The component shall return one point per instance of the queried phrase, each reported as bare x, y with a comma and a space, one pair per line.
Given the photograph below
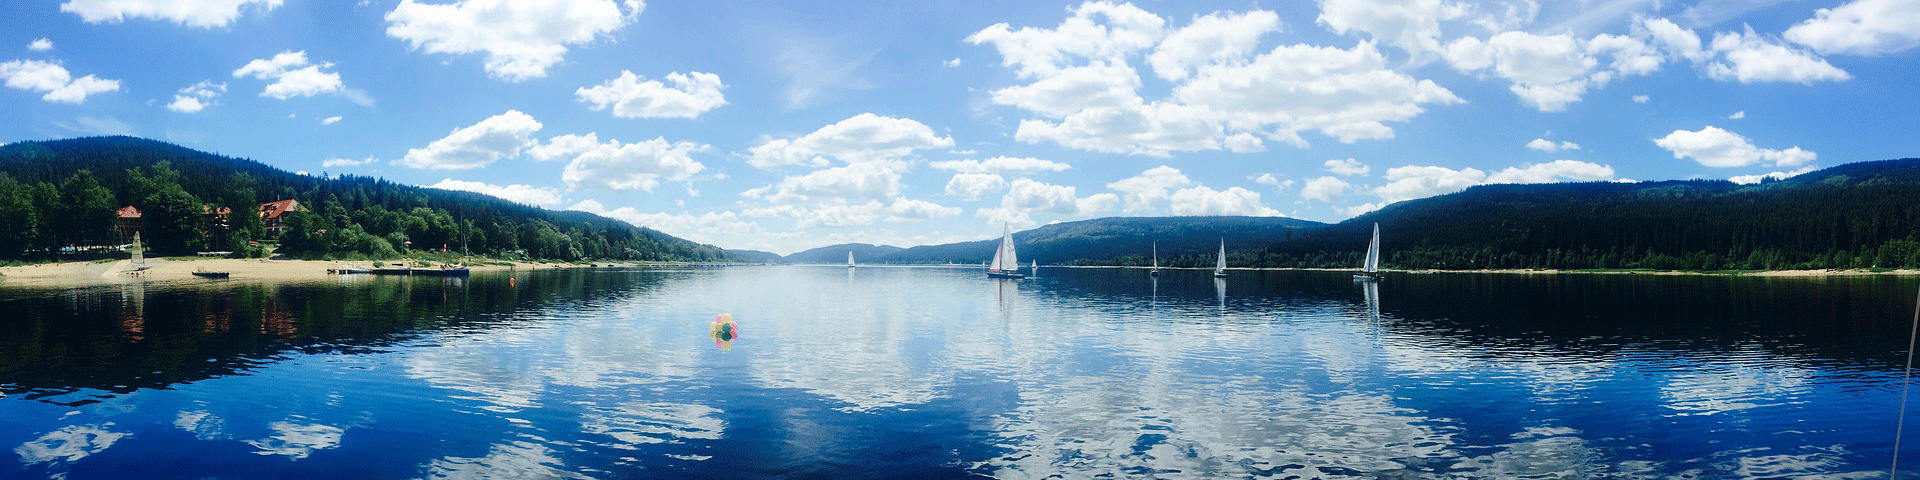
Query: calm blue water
939, 373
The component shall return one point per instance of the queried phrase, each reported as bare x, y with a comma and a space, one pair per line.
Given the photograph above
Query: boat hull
210, 274
1004, 275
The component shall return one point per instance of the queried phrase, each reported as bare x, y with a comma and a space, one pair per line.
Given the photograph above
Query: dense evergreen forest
1860, 215
59, 194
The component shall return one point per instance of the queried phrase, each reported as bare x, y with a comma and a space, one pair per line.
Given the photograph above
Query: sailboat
1035, 269
1005, 263
139, 254
849, 259
1220, 267
1155, 272
1370, 268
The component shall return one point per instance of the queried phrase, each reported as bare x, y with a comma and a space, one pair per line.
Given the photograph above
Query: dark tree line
65, 192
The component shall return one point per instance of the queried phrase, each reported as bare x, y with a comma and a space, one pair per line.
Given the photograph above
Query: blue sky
783, 126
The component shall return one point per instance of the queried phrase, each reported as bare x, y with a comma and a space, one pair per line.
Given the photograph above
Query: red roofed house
128, 219
273, 214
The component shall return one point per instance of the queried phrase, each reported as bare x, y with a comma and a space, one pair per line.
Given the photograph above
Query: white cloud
1642, 99
842, 214
330, 120
1737, 115
522, 194
1413, 26
1001, 164
1226, 93
1545, 145
1025, 197
712, 227
1714, 147
615, 166
1554, 171
1752, 179
972, 186
522, 39
192, 13
1097, 30
1149, 188
1750, 58
1411, 182
335, 162
1734, 56
877, 180
1325, 189
1347, 166
478, 145
1214, 38
1550, 72
862, 138
1028, 195
61, 87
196, 97
954, 63
1200, 200
40, 45
291, 75
692, 94
1861, 27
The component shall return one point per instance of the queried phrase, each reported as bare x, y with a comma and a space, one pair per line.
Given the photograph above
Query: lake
928, 372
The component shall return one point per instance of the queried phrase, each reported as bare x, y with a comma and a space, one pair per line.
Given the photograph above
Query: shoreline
255, 269
182, 268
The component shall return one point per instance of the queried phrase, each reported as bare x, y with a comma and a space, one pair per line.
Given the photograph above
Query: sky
782, 126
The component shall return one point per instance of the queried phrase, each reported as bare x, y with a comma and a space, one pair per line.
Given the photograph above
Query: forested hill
1118, 241
64, 192
1860, 215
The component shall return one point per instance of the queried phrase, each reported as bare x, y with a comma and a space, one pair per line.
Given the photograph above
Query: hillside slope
1857, 215
345, 215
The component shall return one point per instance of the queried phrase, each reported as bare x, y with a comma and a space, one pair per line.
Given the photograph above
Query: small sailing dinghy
139, 263
1370, 268
1005, 263
1220, 266
1155, 272
849, 259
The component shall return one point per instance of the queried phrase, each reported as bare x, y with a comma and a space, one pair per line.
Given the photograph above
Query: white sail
849, 258
139, 253
1004, 258
1220, 267
1372, 263
1013, 260
998, 253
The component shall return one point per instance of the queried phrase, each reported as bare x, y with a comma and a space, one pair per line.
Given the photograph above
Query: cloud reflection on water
69, 444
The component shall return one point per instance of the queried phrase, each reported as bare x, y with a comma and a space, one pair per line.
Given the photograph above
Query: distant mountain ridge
837, 254
1115, 241
1857, 215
